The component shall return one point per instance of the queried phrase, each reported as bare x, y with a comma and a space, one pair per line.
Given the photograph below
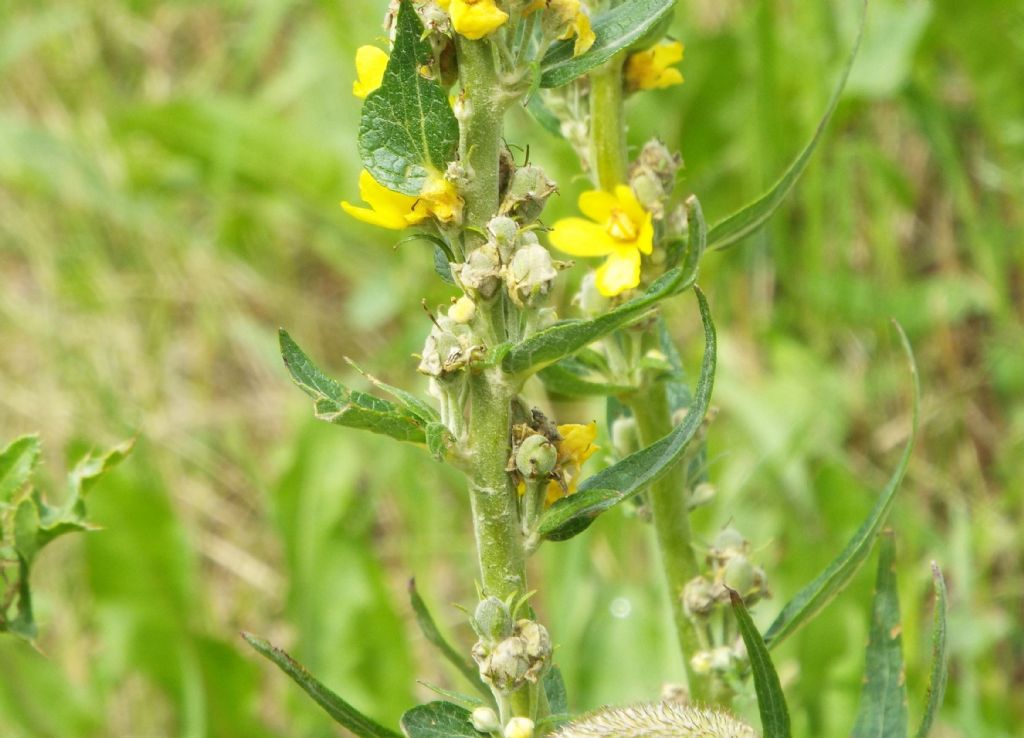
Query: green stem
608, 125
495, 515
482, 130
668, 495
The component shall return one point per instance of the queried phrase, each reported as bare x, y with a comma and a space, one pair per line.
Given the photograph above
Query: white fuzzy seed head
656, 720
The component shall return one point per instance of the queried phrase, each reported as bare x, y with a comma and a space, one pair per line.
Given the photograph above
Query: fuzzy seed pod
485, 720
536, 457
656, 720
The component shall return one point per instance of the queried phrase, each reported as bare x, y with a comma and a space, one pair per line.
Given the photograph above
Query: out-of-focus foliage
169, 173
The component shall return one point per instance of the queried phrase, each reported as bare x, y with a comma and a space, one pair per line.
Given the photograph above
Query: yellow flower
394, 210
370, 65
474, 19
576, 446
619, 228
652, 69
581, 29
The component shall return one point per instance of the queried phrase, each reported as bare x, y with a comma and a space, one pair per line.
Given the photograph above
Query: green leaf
542, 114
342, 712
17, 462
741, 224
615, 30
430, 631
771, 702
408, 133
23, 625
554, 689
439, 440
883, 702
812, 598
572, 379
624, 479
336, 403
412, 404
568, 336
940, 657
70, 517
438, 720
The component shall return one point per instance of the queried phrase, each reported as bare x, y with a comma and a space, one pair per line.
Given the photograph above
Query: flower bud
485, 720
589, 298
738, 575
653, 176
527, 194
480, 273
536, 457
462, 310
492, 619
729, 542
530, 274
448, 348
505, 666
701, 495
699, 597
504, 231
538, 647
519, 727
625, 436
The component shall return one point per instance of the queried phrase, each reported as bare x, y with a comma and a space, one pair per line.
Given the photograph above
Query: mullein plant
436, 165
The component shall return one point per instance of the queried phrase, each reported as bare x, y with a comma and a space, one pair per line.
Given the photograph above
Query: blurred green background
169, 173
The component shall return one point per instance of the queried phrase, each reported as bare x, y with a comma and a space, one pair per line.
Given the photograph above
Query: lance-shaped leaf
573, 379
883, 702
554, 690
940, 672
433, 635
615, 30
438, 720
336, 403
569, 336
17, 463
412, 404
408, 132
342, 712
626, 478
771, 702
748, 220
809, 601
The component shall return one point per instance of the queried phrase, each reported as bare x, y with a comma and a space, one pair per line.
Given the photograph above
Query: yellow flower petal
620, 272
652, 69
370, 65
585, 36
598, 204
577, 442
645, 240
579, 237
475, 19
374, 217
387, 209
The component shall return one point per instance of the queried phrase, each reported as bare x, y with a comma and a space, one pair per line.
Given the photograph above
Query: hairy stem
608, 125
668, 495
482, 130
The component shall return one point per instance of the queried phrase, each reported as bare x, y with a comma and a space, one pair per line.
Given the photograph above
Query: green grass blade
342, 712
771, 702
883, 703
940, 656
812, 598
430, 631
744, 222
573, 514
